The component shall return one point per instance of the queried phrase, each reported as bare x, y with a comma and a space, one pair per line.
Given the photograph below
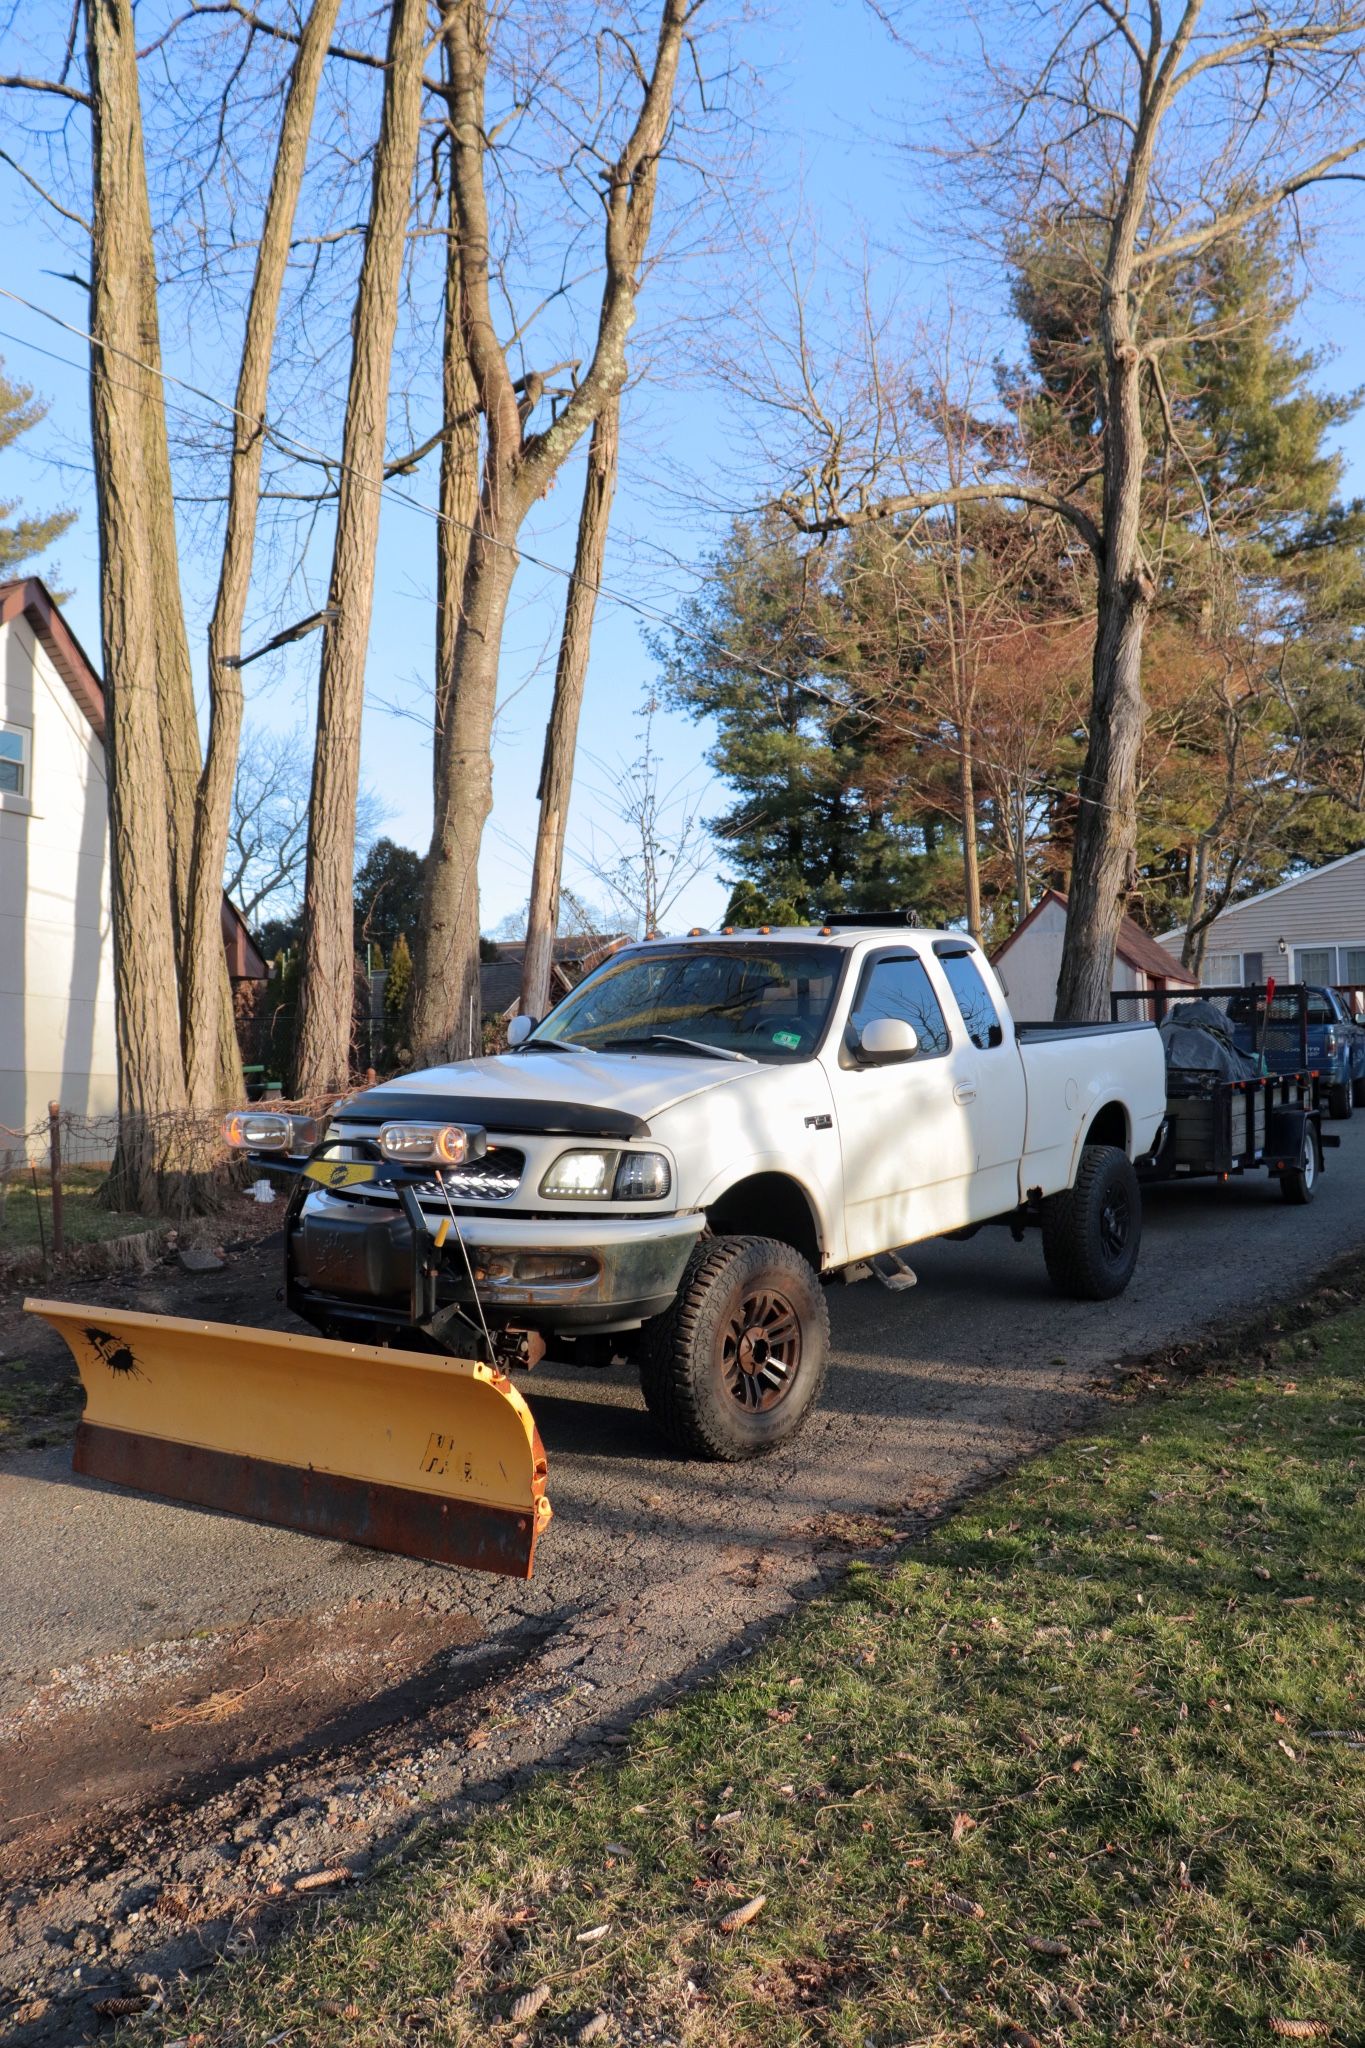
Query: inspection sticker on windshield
791, 1039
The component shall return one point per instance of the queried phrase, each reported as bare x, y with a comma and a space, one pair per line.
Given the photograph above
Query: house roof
31, 600
1136, 948
1282, 888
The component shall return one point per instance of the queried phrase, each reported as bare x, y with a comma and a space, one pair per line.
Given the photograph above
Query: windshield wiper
553, 1045
715, 1052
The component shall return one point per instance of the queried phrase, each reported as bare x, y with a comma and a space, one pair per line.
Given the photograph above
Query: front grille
494, 1178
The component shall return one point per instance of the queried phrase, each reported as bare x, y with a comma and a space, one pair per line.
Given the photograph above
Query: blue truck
1306, 1029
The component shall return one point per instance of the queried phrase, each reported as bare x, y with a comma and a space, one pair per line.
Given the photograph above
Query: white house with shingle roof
1311, 929
56, 938
56, 951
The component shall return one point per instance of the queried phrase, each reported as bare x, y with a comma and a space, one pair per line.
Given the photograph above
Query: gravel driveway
650, 1570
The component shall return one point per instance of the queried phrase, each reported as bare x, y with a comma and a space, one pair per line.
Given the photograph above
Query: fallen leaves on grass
740, 1916
592, 1934
962, 1825
966, 1909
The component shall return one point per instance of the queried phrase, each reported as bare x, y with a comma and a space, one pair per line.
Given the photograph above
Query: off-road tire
1299, 1185
1082, 1226
682, 1373
1341, 1102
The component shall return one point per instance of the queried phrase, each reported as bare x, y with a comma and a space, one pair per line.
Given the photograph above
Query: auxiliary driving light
432, 1144
251, 1130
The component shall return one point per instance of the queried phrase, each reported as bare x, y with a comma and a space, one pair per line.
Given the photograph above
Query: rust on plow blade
433, 1457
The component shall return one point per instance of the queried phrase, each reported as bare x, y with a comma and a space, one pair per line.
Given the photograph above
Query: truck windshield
770, 1003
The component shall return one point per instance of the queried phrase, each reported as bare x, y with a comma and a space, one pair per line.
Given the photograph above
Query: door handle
964, 1092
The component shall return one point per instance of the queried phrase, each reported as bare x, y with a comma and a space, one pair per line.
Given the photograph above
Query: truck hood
621, 1084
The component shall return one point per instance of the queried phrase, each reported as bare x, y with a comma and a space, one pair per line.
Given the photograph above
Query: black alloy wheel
760, 1351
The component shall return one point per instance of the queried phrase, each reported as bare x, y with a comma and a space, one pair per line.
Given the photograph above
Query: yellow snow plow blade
433, 1457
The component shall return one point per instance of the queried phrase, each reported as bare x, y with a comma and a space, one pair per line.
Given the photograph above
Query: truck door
907, 1148
990, 1086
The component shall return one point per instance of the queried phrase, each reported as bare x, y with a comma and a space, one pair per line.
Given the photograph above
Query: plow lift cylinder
429, 1456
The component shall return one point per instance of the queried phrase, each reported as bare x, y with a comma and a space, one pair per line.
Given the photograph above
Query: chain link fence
64, 1183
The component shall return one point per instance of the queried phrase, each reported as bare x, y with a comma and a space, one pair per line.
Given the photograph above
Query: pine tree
398, 995
21, 540
821, 819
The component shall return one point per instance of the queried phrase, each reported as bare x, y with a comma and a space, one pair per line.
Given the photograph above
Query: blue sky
835, 96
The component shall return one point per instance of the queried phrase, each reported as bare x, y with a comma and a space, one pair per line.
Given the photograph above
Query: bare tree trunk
1104, 867
1192, 951
447, 1014
561, 734
459, 487
518, 468
123, 392
971, 865
204, 963
1022, 894
327, 991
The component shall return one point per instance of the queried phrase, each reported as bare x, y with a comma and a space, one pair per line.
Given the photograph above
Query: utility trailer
1217, 1128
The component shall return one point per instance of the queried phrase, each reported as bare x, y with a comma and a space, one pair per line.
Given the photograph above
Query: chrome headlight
642, 1177
252, 1130
608, 1176
432, 1144
585, 1175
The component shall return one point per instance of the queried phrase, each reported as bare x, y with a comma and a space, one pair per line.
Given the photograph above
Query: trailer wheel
1299, 1185
1092, 1231
733, 1368
1341, 1101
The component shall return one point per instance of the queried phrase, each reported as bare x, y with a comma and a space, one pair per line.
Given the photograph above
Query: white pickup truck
671, 1165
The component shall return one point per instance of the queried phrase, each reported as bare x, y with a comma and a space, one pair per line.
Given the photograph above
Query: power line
304, 450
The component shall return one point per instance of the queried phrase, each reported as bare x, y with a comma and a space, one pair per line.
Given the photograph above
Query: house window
1223, 970
1316, 965
1353, 967
14, 760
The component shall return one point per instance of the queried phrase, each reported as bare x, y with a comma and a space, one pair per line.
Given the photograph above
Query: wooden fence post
54, 1146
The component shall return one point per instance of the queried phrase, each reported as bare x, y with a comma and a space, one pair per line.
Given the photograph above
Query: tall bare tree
561, 733
519, 465
125, 392
203, 949
325, 1004
1137, 146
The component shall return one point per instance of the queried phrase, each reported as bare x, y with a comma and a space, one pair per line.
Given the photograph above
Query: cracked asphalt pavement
651, 1571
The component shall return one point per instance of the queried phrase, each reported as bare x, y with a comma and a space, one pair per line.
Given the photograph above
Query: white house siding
1030, 964
56, 952
1321, 919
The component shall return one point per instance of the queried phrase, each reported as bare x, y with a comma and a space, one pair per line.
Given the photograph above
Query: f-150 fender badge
819, 1123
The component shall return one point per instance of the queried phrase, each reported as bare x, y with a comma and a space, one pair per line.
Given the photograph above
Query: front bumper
348, 1264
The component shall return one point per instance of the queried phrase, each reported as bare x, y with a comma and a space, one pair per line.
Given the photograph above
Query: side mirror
520, 1029
885, 1040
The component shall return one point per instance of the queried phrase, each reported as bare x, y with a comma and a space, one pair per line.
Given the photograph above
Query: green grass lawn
1080, 1770
26, 1218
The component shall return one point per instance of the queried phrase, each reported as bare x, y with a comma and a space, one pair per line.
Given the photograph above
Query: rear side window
973, 998
901, 988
